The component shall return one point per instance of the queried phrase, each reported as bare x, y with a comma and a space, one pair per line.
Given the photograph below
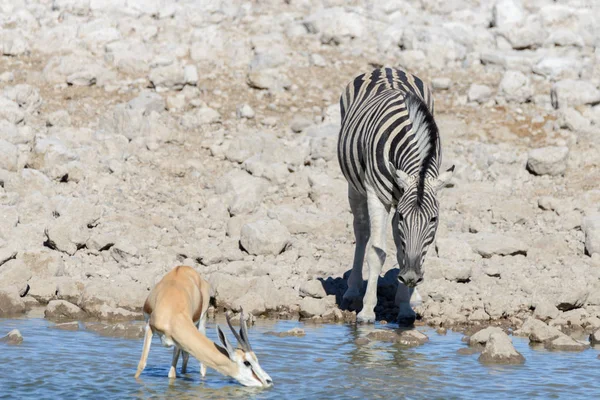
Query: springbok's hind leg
376, 254
185, 356
360, 213
172, 372
145, 350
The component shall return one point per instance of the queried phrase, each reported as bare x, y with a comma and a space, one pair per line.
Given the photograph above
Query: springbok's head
249, 372
415, 221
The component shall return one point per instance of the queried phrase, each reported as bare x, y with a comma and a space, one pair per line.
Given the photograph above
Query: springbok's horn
244, 331
235, 333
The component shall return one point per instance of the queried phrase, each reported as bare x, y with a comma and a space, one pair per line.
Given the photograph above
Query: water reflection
326, 363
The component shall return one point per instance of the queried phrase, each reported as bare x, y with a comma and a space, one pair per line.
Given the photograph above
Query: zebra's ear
402, 178
443, 179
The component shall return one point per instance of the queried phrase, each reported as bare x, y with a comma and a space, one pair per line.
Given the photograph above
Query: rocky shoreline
134, 139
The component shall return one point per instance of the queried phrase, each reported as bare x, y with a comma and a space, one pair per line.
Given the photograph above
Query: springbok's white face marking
250, 372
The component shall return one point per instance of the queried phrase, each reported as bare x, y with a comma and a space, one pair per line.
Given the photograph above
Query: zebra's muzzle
410, 278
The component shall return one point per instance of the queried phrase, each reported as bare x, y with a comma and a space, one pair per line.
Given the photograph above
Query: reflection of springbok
175, 310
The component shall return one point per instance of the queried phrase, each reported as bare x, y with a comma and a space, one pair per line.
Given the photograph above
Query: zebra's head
415, 221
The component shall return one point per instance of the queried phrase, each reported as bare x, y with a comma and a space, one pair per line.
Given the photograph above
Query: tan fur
174, 307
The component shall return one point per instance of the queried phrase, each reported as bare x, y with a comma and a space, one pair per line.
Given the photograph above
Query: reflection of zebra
389, 151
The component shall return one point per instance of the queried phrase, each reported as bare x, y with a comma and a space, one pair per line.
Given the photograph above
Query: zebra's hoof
352, 300
365, 318
406, 320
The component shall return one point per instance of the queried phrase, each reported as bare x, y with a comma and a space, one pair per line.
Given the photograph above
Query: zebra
389, 151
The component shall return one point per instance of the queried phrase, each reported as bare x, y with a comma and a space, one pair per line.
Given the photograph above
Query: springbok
175, 310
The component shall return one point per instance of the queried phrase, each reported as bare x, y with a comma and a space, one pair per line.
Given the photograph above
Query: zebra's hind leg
378, 217
360, 213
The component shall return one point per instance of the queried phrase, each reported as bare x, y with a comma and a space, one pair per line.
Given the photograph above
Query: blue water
324, 364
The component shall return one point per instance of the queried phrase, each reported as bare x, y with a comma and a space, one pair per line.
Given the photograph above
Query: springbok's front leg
172, 370
145, 350
360, 214
378, 216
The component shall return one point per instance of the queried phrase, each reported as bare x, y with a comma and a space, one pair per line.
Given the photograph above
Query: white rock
10, 111
313, 288
507, 13
59, 118
570, 118
268, 79
168, 77
310, 307
483, 336
500, 350
245, 111
545, 311
13, 44
554, 67
572, 93
591, 228
147, 101
335, 25
515, 87
9, 156
441, 83
61, 309
490, 244
190, 74
479, 93
264, 237
247, 191
549, 160
317, 60
26, 96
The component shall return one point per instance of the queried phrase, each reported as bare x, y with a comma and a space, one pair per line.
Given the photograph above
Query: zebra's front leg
360, 213
378, 216
406, 315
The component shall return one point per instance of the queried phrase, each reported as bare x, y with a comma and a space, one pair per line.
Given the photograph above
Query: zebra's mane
426, 136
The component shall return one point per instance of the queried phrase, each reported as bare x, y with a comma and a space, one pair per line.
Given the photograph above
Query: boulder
479, 93
66, 326
312, 288
11, 303
491, 244
311, 307
412, 338
500, 350
13, 337
383, 335
573, 93
591, 228
565, 343
545, 311
551, 160
120, 330
170, 77
515, 87
595, 338
483, 336
61, 309
507, 13
297, 332
265, 236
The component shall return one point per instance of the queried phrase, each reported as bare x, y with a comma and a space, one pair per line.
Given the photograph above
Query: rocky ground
139, 135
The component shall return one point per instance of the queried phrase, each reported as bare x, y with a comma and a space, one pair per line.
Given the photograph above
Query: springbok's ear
402, 178
443, 179
225, 342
